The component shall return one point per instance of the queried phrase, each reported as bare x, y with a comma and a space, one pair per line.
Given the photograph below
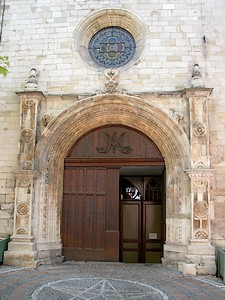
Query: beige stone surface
51, 36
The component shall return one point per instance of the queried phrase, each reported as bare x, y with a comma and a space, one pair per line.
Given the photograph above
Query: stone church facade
58, 91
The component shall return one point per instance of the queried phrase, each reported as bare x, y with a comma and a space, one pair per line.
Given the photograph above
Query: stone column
22, 248
200, 254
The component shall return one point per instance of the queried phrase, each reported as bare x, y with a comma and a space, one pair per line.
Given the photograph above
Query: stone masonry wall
41, 34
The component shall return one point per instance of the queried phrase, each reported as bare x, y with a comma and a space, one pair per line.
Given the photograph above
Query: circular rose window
112, 47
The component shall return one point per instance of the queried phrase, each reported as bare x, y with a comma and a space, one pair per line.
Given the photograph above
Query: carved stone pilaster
201, 173
200, 203
29, 108
201, 254
23, 204
22, 249
199, 127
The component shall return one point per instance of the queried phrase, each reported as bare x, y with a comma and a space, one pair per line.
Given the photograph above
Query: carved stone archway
42, 243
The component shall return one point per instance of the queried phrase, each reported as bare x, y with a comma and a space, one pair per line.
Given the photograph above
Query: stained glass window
112, 47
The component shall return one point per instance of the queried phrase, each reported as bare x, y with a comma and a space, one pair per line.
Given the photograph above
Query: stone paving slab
86, 280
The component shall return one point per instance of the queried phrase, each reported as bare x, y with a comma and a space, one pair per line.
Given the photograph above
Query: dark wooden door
141, 221
90, 214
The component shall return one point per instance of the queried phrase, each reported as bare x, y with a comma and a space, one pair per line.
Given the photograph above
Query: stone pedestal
201, 254
21, 252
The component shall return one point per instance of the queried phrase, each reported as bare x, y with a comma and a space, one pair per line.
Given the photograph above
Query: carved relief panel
200, 196
23, 205
29, 108
199, 131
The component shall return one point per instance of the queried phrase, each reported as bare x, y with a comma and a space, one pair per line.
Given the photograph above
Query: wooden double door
102, 221
98, 222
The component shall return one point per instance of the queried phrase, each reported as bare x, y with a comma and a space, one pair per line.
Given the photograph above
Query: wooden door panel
112, 208
152, 233
131, 221
90, 230
152, 215
112, 215
130, 242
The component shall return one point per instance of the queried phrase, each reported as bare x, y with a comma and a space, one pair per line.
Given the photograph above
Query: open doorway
142, 214
93, 195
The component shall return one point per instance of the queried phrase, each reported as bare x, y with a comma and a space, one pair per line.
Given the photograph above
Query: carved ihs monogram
115, 142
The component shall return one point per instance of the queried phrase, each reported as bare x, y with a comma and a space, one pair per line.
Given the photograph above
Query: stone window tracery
112, 47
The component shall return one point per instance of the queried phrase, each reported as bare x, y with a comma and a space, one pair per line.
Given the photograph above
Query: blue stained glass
112, 47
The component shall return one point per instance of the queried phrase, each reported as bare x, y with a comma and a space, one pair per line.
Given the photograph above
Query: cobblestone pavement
80, 280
